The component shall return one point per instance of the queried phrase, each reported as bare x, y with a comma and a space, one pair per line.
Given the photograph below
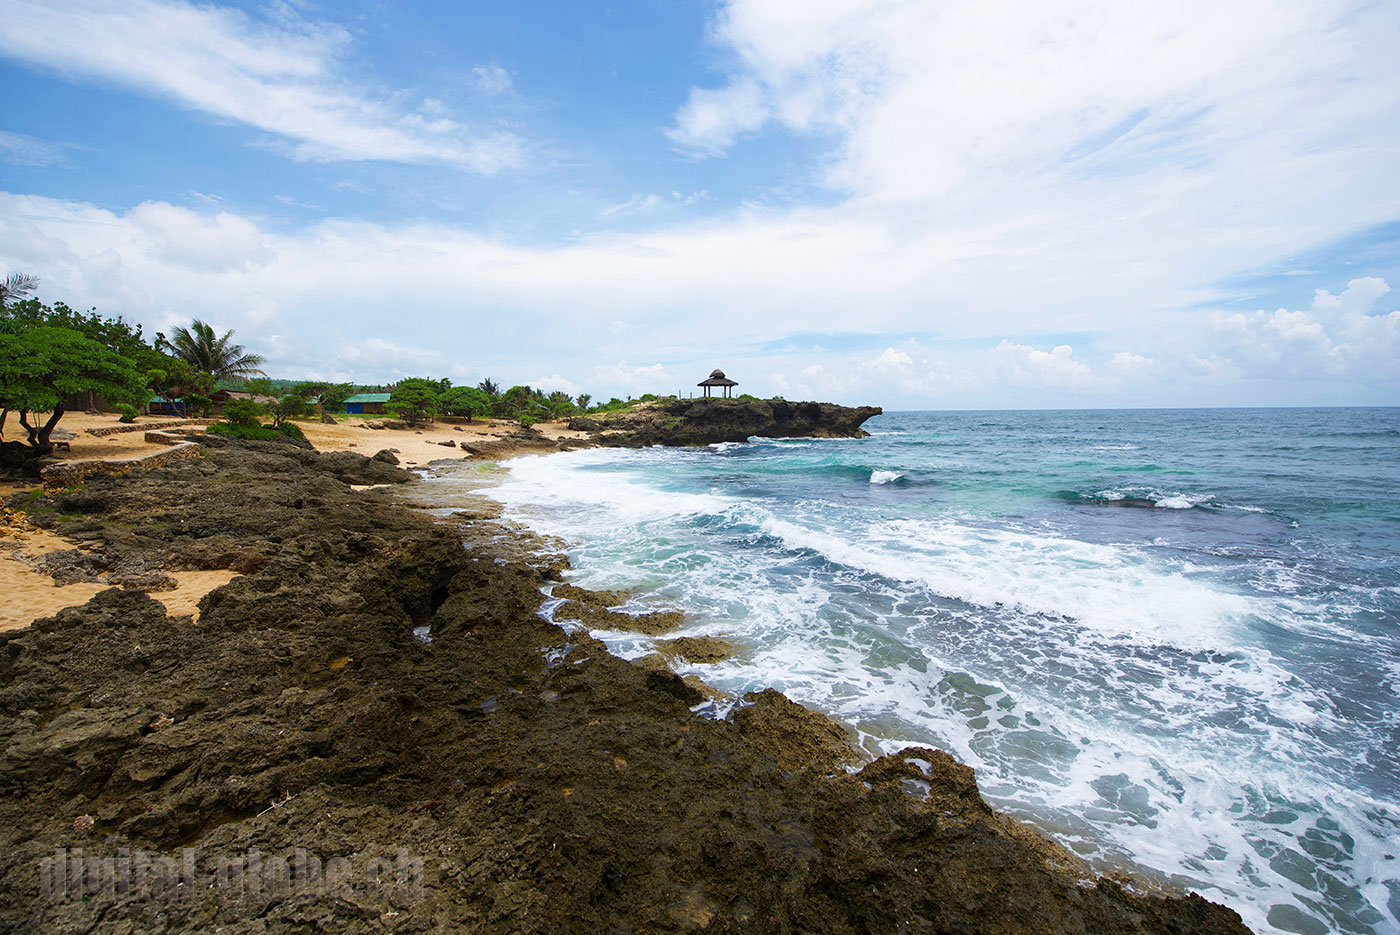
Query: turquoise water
1170, 638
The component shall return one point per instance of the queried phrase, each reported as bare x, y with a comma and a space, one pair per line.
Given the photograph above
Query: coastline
489, 605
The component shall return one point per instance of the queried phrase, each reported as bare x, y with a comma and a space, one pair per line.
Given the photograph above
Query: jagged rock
386, 456
696, 649
684, 422
546, 785
448, 444
328, 419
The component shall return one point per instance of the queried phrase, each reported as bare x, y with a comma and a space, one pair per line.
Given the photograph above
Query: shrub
128, 412
527, 420
258, 432
243, 413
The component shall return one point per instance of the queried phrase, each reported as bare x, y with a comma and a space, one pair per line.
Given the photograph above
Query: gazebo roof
717, 378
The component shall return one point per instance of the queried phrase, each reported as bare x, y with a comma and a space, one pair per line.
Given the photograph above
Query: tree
513, 401
42, 366
326, 395
559, 404
112, 333
289, 407
199, 346
583, 400
489, 387
16, 286
466, 401
414, 400
173, 378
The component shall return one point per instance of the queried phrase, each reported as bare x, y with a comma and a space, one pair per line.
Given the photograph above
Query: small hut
366, 402
717, 378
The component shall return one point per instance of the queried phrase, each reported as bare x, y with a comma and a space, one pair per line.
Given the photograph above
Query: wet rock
696, 649
545, 785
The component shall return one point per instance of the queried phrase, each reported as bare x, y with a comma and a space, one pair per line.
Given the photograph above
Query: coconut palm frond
200, 347
16, 286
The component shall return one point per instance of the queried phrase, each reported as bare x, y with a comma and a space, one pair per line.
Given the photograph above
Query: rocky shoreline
370, 689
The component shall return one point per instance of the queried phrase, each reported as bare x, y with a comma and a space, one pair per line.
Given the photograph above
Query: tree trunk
39, 434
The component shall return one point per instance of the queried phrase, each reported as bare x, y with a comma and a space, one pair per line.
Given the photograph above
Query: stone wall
71, 473
133, 427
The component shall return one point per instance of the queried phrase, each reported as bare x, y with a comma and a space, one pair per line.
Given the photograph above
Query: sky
908, 203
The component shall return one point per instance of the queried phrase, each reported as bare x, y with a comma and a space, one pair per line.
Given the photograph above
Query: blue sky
921, 205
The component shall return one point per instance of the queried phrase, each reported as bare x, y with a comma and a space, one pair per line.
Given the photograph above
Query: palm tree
16, 286
489, 387
197, 346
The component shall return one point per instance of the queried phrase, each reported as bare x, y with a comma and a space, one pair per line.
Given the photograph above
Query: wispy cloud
21, 150
492, 78
281, 77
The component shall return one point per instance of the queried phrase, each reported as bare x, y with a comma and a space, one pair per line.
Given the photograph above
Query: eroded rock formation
708, 421
369, 684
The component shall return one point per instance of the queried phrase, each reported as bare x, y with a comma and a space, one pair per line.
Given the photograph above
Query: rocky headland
684, 422
376, 683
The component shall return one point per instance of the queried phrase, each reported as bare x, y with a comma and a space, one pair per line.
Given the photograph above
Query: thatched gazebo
717, 378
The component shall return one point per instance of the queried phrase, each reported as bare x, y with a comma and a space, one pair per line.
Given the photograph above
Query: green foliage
42, 365
526, 420
290, 406
128, 412
469, 401
489, 387
647, 398
583, 400
174, 378
112, 333
257, 431
242, 413
16, 285
198, 402
203, 350
330, 397
415, 400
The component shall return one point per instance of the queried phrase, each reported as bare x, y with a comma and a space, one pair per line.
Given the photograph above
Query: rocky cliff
707, 421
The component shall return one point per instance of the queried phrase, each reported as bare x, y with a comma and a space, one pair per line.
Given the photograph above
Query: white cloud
621, 377
1337, 338
492, 78
280, 77
21, 150
373, 302
554, 382
184, 239
1024, 366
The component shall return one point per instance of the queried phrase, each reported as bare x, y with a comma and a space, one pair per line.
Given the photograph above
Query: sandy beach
27, 594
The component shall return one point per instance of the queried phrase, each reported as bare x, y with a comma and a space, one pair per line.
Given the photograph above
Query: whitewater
1170, 639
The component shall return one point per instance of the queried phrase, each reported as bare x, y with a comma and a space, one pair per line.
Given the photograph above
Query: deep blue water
1170, 637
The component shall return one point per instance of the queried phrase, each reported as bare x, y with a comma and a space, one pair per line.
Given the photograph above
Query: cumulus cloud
1337, 337
458, 303
282, 77
184, 239
651, 378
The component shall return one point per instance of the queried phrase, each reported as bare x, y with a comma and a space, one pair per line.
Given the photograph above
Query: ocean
1170, 638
